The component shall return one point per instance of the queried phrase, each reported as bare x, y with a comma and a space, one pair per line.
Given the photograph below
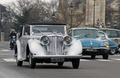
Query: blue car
94, 41
113, 34
112, 44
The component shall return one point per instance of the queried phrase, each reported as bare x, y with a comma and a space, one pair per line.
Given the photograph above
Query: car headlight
104, 43
45, 40
67, 40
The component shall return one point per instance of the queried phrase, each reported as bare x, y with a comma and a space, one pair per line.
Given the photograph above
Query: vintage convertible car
47, 43
94, 42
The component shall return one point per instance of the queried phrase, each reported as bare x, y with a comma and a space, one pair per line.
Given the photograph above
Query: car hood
86, 42
112, 43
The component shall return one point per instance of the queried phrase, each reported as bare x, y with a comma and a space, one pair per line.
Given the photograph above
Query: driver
12, 33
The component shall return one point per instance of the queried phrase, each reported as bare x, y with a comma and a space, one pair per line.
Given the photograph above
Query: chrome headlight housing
67, 40
45, 40
104, 43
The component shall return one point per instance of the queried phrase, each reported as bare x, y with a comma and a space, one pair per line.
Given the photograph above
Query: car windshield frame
41, 29
85, 33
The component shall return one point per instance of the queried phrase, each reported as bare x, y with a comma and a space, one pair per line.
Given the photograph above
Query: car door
20, 46
25, 38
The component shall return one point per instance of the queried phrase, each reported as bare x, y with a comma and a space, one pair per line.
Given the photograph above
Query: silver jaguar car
47, 43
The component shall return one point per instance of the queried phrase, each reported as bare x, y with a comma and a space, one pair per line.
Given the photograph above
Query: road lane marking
103, 60
116, 55
84, 60
116, 59
5, 50
9, 59
96, 60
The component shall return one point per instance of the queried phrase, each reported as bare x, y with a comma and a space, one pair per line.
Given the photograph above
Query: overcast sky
5, 1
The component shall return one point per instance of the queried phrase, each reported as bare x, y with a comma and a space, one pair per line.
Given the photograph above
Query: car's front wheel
75, 63
19, 63
112, 51
106, 55
32, 62
119, 49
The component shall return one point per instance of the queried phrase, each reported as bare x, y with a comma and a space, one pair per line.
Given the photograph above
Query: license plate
57, 60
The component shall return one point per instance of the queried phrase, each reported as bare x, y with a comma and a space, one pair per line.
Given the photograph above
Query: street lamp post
71, 8
94, 14
53, 13
119, 15
1, 30
53, 16
0, 17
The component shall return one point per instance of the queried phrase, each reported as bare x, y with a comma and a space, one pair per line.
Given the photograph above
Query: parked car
47, 43
94, 42
113, 34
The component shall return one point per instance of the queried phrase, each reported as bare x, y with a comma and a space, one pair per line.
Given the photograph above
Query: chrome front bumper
95, 48
57, 56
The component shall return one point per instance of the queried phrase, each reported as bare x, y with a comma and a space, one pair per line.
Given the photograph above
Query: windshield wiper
52, 31
38, 31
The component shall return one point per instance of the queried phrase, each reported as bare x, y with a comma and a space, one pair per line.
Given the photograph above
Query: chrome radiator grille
56, 45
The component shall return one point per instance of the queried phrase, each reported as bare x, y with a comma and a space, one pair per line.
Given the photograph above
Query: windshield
48, 29
111, 33
88, 33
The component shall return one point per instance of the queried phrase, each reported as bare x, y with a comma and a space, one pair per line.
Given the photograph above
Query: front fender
112, 44
19, 52
75, 48
35, 47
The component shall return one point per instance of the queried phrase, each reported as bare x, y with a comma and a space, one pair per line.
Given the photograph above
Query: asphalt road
89, 68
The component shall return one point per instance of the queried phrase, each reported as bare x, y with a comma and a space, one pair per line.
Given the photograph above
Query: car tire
75, 63
118, 49
32, 62
19, 63
60, 64
112, 51
93, 56
105, 55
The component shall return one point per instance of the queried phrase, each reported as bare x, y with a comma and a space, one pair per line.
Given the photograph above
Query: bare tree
24, 11
4, 17
78, 11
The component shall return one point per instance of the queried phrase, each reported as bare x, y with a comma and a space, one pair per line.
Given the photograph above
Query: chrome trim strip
56, 46
95, 48
58, 56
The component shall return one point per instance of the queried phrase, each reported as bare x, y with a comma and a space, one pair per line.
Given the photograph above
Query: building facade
95, 12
